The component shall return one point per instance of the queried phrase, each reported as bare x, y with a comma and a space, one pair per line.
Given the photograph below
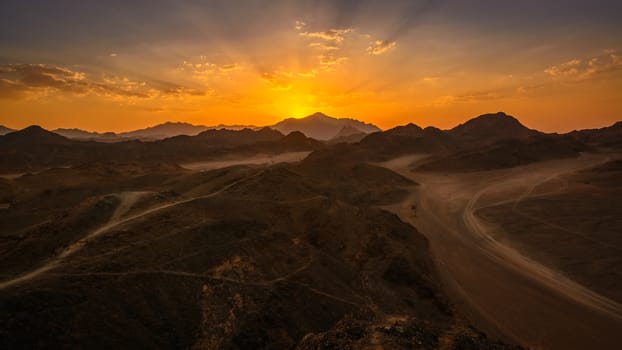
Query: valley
254, 239
502, 287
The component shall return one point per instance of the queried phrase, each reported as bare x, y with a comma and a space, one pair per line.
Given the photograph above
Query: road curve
116, 220
501, 291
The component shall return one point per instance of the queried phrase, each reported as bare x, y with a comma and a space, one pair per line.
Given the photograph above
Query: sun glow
297, 105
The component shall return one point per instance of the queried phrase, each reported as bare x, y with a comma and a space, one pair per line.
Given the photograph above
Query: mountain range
123, 245
318, 126
485, 142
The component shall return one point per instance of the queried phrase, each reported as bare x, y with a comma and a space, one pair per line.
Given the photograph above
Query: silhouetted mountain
322, 127
31, 136
153, 133
35, 148
244, 136
296, 140
610, 136
407, 139
506, 153
491, 127
79, 134
4, 130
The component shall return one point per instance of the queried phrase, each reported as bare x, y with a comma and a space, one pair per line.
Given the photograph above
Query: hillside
34, 148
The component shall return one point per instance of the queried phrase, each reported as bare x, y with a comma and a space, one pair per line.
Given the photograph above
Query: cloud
578, 69
329, 62
299, 25
325, 46
202, 69
279, 80
308, 74
569, 68
336, 36
232, 67
380, 47
431, 80
24, 80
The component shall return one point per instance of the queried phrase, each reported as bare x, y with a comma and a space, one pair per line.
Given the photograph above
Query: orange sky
438, 69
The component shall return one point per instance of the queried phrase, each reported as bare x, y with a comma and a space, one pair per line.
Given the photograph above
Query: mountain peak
321, 126
496, 117
319, 115
169, 123
35, 134
33, 128
492, 126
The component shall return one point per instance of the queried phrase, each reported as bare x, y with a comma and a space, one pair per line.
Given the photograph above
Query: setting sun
389, 64
311, 174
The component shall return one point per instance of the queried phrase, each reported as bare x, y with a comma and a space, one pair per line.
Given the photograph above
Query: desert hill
32, 136
35, 148
212, 266
610, 136
486, 142
491, 127
490, 141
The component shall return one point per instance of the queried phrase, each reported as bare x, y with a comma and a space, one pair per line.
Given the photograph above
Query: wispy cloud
24, 80
329, 62
608, 62
279, 80
203, 69
332, 35
380, 47
324, 46
299, 25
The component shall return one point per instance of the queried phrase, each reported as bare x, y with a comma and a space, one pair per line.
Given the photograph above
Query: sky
119, 65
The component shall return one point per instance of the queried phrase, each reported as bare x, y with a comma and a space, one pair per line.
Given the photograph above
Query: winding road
500, 290
127, 200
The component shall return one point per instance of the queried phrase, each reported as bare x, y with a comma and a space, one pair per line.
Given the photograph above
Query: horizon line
244, 125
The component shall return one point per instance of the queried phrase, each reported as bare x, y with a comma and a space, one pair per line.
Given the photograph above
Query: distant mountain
348, 134
491, 127
165, 130
35, 148
322, 127
31, 136
153, 133
79, 134
4, 130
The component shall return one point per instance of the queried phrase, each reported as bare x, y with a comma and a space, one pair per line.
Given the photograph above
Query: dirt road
127, 200
495, 286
